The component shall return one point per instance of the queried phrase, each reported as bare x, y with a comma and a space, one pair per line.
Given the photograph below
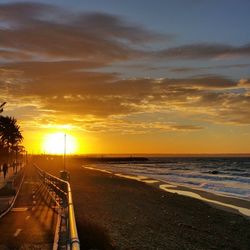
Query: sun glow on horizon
54, 143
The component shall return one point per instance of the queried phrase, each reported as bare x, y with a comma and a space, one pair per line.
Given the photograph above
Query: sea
227, 176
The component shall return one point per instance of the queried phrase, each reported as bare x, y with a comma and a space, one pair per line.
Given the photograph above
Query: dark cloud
56, 40
206, 81
19, 12
192, 69
10, 55
49, 31
114, 27
45, 31
38, 70
204, 51
184, 69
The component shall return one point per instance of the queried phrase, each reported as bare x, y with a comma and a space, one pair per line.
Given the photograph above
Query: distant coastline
146, 156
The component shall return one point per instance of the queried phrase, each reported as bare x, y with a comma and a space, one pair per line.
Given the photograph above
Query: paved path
5, 201
30, 224
9, 175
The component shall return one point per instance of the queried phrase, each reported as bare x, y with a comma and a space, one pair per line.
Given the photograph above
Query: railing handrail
72, 229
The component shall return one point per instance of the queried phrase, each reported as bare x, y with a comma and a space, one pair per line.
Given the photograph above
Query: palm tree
10, 134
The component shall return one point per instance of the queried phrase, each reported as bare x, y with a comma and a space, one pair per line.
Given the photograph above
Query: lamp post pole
64, 174
64, 155
26, 157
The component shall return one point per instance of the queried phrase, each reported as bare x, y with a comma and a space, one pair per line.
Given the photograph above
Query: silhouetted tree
10, 134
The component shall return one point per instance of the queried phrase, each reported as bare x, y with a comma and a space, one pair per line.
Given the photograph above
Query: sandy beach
118, 213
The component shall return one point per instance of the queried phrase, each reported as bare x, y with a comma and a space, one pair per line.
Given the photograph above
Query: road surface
30, 224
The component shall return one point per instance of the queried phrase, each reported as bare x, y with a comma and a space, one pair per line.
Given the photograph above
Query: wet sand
118, 213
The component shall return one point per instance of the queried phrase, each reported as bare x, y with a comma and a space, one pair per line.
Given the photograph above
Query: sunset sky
134, 76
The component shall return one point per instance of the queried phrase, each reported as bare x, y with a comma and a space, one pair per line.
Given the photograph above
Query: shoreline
226, 203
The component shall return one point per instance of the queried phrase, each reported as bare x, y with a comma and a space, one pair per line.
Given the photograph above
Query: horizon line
144, 154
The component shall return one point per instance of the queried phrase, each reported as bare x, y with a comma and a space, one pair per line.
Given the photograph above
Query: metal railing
62, 191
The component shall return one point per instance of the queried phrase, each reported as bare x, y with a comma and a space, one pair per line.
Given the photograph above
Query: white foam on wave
168, 188
137, 178
101, 170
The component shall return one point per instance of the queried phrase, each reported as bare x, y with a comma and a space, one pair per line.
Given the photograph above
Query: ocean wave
226, 176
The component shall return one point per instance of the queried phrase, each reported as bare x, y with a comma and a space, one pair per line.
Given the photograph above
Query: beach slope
118, 213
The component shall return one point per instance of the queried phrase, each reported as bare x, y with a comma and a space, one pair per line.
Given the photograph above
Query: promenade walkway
5, 200
31, 223
9, 175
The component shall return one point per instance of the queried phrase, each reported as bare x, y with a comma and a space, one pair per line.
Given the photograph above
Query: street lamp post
26, 157
64, 154
64, 173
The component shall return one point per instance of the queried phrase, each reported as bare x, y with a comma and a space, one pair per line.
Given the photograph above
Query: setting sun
54, 143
